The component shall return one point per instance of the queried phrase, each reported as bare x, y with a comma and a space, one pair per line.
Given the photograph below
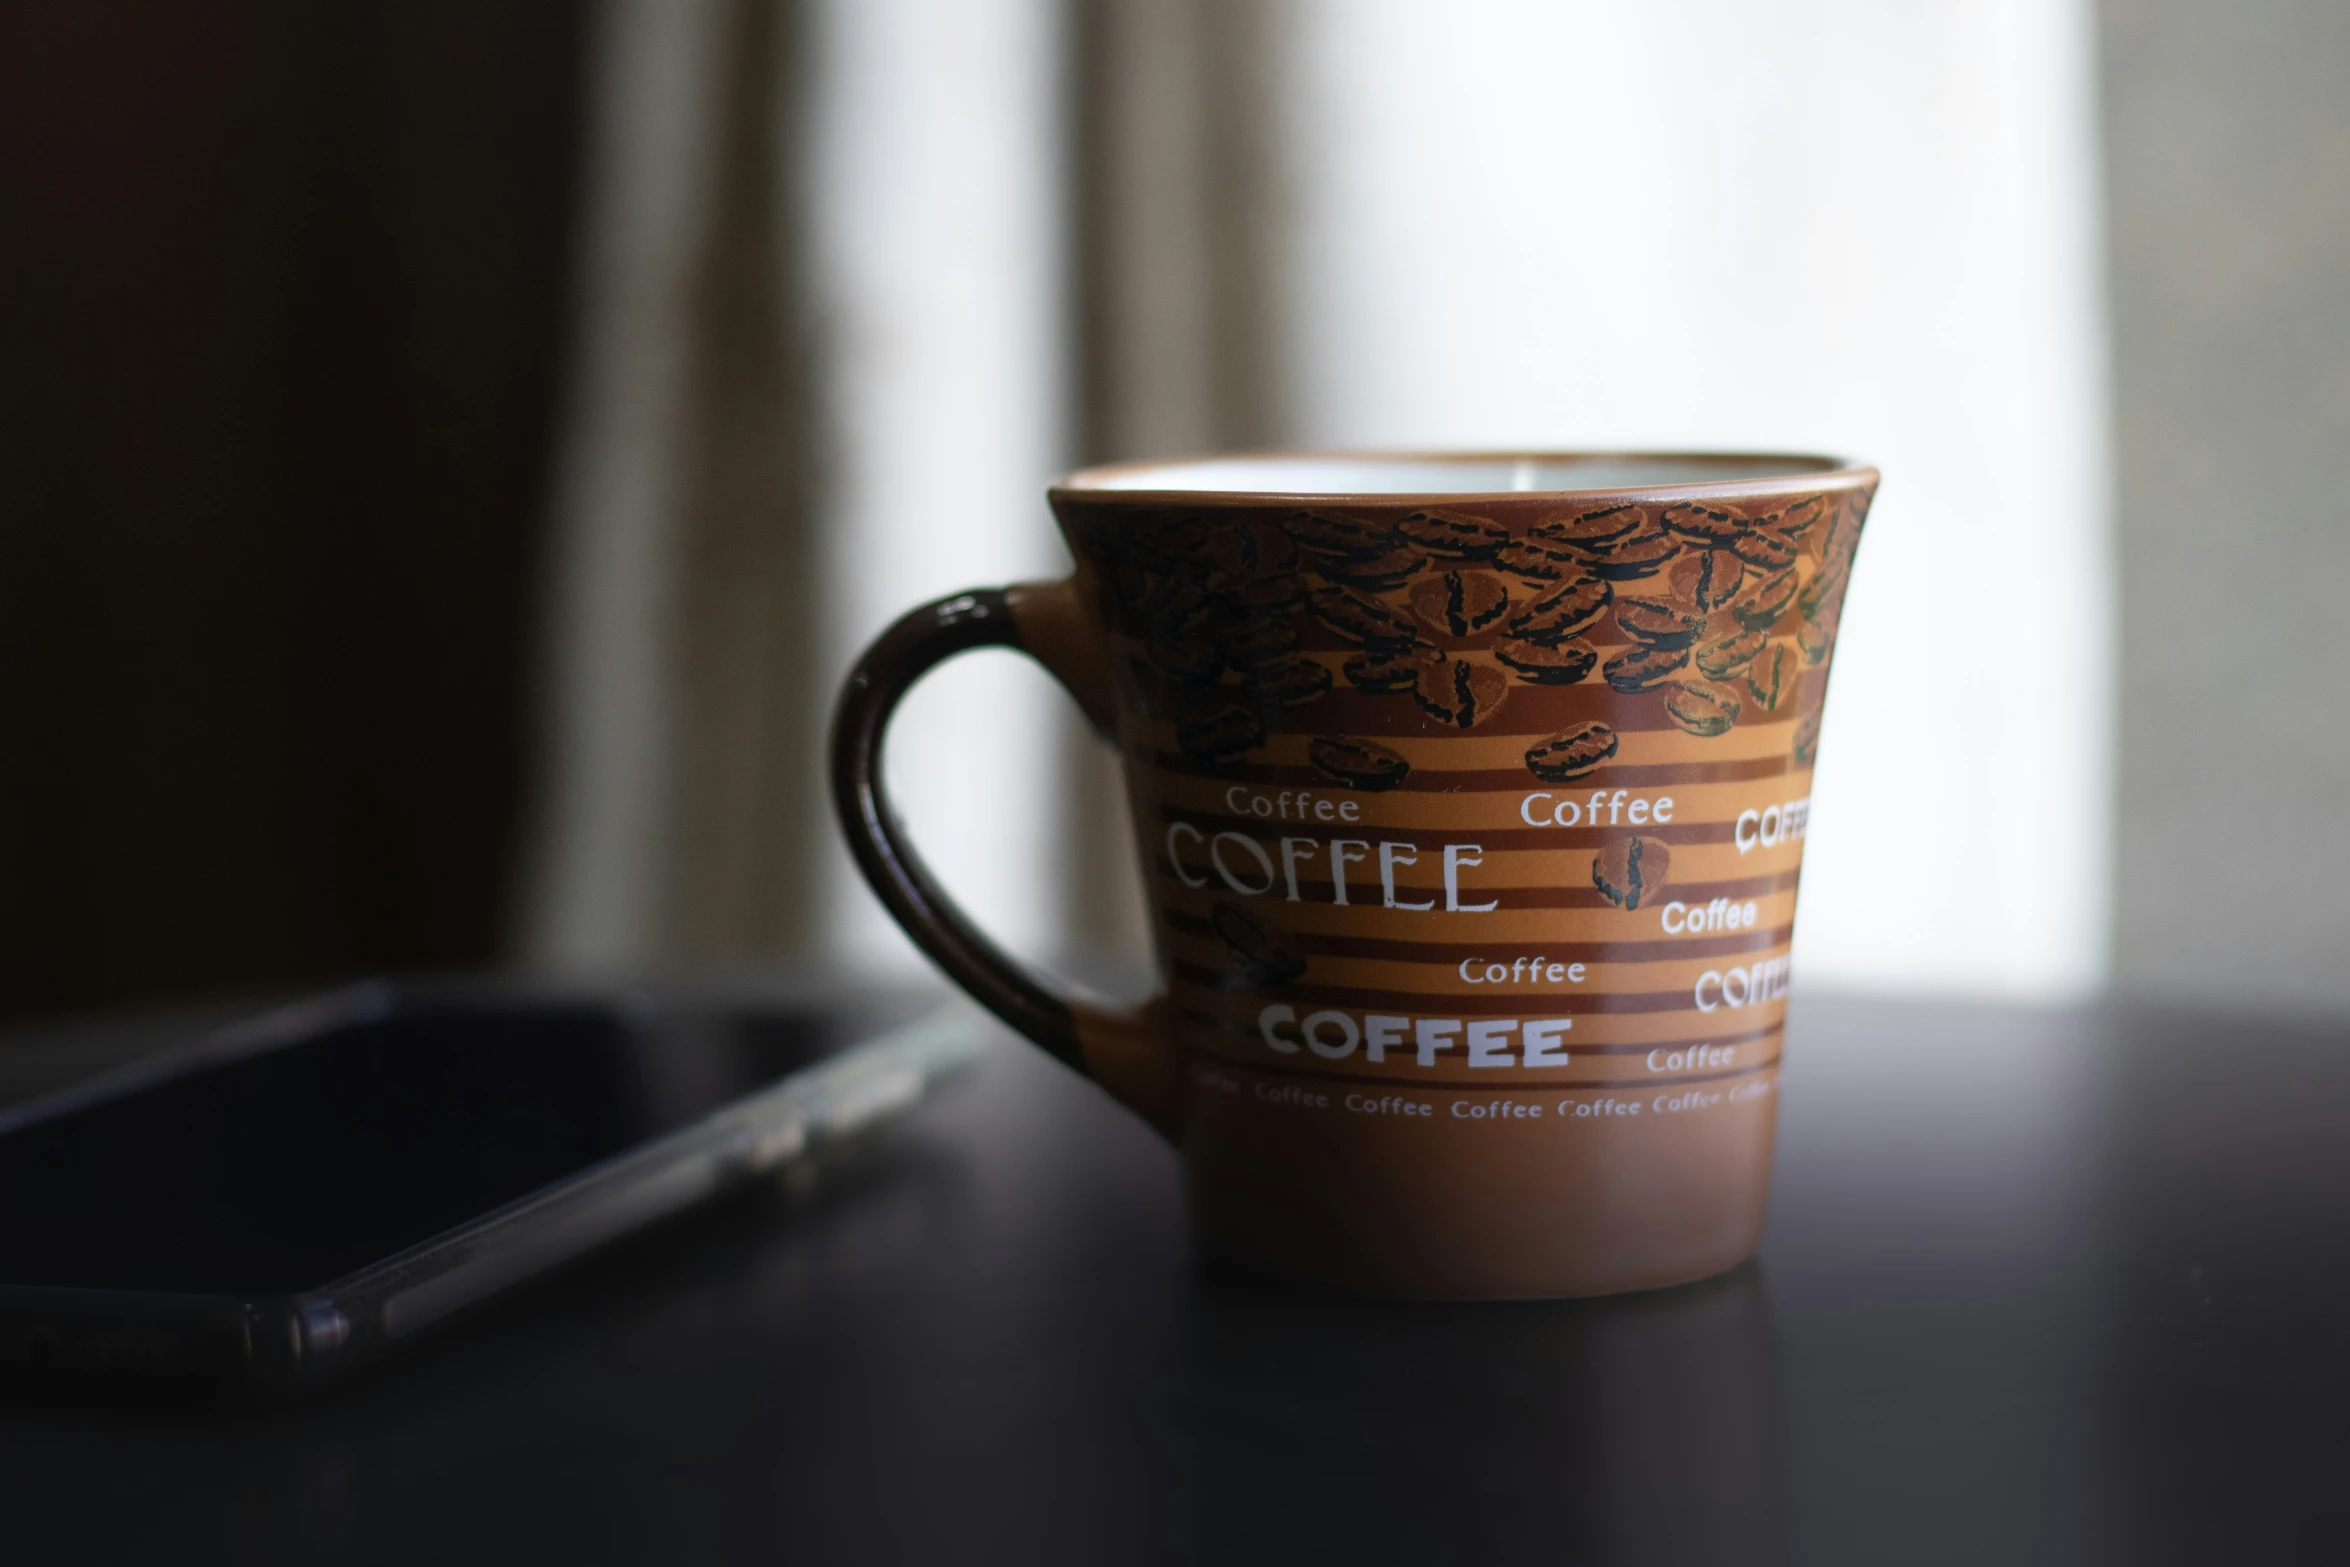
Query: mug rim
1094, 484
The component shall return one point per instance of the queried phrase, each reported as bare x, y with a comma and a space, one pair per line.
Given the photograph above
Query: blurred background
453, 451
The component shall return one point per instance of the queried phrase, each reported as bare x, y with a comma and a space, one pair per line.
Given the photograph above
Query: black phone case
285, 1344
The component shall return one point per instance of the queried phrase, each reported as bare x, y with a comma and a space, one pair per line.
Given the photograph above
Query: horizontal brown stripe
1430, 1003
1493, 840
1247, 1030
1470, 780
1602, 1085
1450, 953
1512, 899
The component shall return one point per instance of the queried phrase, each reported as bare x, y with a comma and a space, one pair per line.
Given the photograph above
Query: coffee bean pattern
1659, 622
1701, 709
1771, 676
1708, 578
1798, 519
1708, 526
1389, 672
1288, 682
1723, 654
1630, 872
1338, 537
1263, 595
1565, 758
1719, 613
1763, 602
1565, 664
1636, 555
1455, 535
1564, 610
1249, 644
1526, 559
1460, 603
1765, 549
1361, 618
1590, 529
1644, 668
1187, 661
1359, 764
1461, 694
1806, 748
1221, 736
1377, 572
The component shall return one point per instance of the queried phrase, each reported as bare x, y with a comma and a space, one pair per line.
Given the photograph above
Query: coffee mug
1472, 794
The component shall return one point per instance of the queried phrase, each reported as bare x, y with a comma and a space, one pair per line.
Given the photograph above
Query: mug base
1437, 1207
1217, 1258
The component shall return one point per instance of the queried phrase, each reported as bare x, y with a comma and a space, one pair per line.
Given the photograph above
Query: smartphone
304, 1191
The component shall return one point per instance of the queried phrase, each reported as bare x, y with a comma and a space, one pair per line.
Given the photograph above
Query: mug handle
1122, 1050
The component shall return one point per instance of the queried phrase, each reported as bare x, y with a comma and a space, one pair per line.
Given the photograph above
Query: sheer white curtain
819, 379
937, 217
1853, 227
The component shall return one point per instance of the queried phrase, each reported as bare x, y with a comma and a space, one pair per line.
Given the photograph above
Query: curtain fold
915, 255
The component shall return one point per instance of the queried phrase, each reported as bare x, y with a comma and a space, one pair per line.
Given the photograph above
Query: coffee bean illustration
1800, 518
1241, 550
1176, 546
1770, 677
1175, 607
1390, 671
1460, 603
1701, 709
1460, 693
1391, 570
1806, 748
1834, 542
1563, 758
1264, 954
1706, 524
1644, 668
1658, 622
1604, 526
1824, 596
1566, 609
1816, 639
1221, 735
1524, 558
1708, 578
1760, 604
1537, 664
1252, 642
1721, 657
1289, 682
1329, 535
1765, 548
1631, 872
1186, 660
1636, 555
1455, 535
1232, 548
1359, 764
1266, 594
1361, 618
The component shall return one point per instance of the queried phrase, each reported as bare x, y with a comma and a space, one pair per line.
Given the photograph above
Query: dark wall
281, 296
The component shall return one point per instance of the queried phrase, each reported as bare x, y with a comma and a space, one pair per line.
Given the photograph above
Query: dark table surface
2037, 1287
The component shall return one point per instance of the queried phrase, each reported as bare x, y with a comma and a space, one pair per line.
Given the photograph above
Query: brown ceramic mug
1471, 793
